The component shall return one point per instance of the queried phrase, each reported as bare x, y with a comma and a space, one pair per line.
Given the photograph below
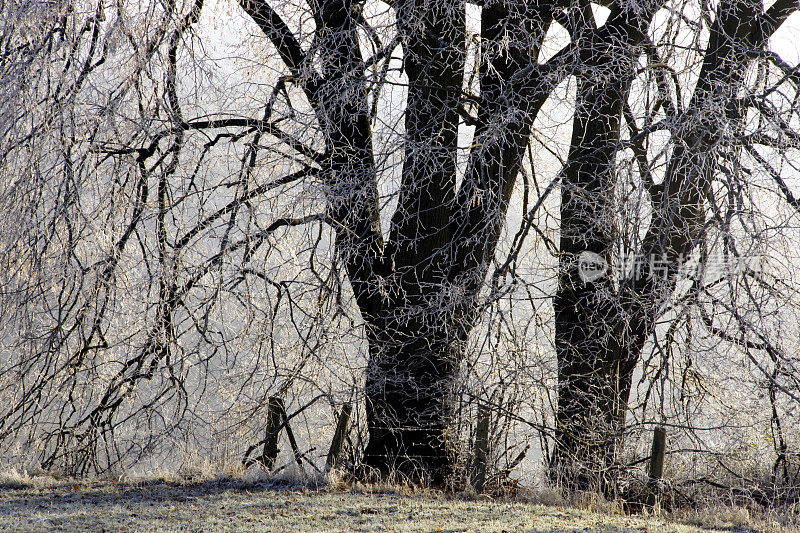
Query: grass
42, 503
46, 504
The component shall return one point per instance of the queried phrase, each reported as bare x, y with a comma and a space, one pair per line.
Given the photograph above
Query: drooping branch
737, 31
338, 98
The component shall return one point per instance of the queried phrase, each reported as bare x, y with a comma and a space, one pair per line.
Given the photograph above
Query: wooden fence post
481, 448
656, 464
275, 416
277, 420
338, 437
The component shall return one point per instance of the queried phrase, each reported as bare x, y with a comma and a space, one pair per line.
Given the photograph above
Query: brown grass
47, 504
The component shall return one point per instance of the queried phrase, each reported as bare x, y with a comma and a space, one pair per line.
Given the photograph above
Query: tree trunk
595, 361
597, 349
600, 328
412, 364
408, 386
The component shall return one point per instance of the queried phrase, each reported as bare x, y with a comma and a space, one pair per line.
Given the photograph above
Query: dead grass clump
737, 518
16, 479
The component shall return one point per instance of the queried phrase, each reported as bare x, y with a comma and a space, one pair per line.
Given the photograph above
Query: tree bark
442, 242
601, 329
408, 385
595, 349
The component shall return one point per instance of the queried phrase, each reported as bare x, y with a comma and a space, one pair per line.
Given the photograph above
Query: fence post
481, 447
338, 437
275, 415
656, 464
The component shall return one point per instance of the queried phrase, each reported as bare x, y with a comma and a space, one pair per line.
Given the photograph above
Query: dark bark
418, 292
601, 328
442, 242
411, 365
595, 348
407, 388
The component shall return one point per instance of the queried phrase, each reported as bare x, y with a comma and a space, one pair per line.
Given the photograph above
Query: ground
236, 506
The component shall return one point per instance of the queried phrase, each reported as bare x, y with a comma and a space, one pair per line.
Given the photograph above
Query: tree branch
277, 32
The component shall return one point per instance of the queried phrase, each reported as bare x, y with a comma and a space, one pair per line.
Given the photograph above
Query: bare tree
234, 214
602, 324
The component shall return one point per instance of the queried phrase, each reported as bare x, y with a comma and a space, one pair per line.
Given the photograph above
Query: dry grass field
46, 504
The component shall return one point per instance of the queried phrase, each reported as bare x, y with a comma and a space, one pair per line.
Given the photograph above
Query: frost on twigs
578, 219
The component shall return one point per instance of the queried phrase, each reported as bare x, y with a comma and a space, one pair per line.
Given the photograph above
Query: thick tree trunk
408, 385
411, 365
600, 328
587, 413
597, 349
595, 361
